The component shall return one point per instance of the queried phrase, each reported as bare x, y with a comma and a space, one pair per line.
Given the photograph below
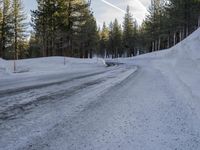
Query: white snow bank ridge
189, 47
3, 70
49, 65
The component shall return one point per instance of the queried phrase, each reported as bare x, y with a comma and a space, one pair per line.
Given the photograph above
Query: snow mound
47, 65
3, 69
188, 48
186, 61
182, 60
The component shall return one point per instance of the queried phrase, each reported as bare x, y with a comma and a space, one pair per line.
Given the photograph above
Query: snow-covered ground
150, 102
46, 66
40, 71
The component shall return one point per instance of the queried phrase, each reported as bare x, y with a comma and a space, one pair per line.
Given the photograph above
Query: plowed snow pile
49, 65
3, 70
183, 60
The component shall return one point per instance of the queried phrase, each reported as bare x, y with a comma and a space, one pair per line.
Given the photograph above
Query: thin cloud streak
142, 4
106, 2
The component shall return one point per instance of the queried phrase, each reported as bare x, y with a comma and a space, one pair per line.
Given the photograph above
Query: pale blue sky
107, 10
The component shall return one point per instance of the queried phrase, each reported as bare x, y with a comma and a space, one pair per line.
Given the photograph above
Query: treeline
169, 22
63, 28
13, 30
68, 28
120, 41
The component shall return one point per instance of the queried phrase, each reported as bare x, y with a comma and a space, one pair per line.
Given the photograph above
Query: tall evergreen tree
129, 32
85, 36
34, 47
19, 27
89, 36
1, 20
115, 39
169, 22
57, 23
104, 38
6, 26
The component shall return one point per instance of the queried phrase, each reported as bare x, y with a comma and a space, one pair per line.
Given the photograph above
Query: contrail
142, 4
106, 2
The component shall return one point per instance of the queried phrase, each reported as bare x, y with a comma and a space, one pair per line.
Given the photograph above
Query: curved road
120, 109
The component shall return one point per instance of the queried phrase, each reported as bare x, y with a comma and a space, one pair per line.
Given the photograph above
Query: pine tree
34, 47
46, 21
40, 25
128, 32
104, 38
6, 27
57, 23
76, 19
115, 39
90, 36
1, 20
110, 41
19, 27
86, 36
156, 27
169, 22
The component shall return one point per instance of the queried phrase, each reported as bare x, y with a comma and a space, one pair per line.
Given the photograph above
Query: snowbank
48, 65
181, 66
189, 48
181, 61
3, 69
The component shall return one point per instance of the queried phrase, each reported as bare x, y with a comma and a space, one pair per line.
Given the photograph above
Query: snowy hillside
150, 102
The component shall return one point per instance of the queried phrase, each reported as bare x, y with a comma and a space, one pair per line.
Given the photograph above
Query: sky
107, 10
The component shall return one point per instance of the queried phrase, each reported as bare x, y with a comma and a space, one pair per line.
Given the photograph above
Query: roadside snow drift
47, 65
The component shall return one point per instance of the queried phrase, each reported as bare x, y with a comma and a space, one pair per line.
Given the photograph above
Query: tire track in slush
14, 111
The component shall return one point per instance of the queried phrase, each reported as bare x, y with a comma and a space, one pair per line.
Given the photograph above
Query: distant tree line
169, 22
68, 28
119, 41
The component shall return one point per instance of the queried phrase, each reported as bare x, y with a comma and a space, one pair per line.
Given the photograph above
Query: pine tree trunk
199, 21
156, 45
159, 43
187, 31
153, 46
3, 39
180, 35
91, 54
16, 41
174, 38
43, 46
44, 36
184, 33
168, 41
1, 53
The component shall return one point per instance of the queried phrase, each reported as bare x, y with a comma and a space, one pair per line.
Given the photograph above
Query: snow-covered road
29, 113
151, 102
115, 109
